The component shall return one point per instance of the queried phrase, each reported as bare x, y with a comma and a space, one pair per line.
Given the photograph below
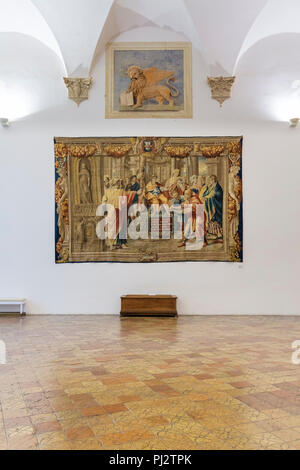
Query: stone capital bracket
78, 88
220, 88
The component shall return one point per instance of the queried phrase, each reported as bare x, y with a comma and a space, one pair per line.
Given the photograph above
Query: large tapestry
148, 199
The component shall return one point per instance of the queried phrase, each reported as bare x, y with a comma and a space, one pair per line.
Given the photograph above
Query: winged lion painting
148, 80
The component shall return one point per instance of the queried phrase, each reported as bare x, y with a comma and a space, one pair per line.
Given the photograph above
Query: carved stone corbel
78, 88
220, 88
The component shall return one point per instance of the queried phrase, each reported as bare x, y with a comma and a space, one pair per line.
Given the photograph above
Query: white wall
266, 283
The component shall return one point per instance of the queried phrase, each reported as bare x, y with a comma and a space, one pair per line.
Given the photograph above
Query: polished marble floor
98, 382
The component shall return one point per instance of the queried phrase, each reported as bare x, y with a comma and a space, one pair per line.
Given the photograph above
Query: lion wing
154, 75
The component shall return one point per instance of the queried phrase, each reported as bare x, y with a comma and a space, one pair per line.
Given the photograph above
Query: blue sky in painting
162, 59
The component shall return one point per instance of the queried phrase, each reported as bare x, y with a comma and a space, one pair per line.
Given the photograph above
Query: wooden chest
148, 305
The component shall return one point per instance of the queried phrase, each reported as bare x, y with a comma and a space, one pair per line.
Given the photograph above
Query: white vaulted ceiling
77, 25
21, 16
256, 40
222, 27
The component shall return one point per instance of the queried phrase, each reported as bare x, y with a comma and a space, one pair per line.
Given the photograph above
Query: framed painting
149, 80
148, 199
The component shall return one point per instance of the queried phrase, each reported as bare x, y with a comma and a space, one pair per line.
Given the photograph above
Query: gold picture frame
149, 80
